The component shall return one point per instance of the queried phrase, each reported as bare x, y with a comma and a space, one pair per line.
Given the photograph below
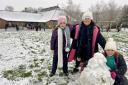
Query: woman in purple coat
60, 46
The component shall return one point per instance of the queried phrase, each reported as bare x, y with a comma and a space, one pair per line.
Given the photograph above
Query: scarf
67, 37
111, 62
60, 44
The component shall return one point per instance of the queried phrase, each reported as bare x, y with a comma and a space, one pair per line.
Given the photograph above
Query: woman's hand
78, 59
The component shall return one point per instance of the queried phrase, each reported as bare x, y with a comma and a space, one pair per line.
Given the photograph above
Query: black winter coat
121, 69
85, 41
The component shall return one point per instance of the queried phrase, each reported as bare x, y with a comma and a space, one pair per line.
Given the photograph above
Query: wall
2, 23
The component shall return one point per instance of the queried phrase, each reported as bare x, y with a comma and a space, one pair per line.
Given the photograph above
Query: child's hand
52, 51
67, 49
113, 75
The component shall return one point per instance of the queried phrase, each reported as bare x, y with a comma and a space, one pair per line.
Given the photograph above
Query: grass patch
13, 74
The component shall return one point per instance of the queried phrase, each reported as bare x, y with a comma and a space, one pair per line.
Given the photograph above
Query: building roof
20, 16
31, 17
51, 15
50, 8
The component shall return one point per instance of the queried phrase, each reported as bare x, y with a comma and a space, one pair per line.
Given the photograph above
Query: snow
30, 17
31, 49
51, 15
96, 71
20, 16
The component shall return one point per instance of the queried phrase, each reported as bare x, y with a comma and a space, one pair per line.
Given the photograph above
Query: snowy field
25, 58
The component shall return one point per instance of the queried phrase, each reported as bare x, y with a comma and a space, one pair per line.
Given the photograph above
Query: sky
19, 5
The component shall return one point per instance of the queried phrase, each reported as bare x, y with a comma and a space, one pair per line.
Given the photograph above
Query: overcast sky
21, 4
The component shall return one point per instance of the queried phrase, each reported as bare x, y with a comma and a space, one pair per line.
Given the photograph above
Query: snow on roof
51, 15
50, 8
30, 17
20, 16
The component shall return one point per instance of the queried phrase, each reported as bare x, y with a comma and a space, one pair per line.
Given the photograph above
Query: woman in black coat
88, 39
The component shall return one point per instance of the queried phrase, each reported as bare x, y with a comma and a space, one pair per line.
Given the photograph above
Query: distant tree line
110, 13
105, 14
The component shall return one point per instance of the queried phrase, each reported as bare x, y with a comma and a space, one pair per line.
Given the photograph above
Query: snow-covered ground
25, 58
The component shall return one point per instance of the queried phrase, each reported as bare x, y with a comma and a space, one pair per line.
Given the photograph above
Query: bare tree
124, 18
39, 9
73, 11
9, 8
30, 9
106, 14
112, 10
97, 10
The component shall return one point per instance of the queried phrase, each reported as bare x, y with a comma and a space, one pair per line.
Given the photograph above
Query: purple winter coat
54, 41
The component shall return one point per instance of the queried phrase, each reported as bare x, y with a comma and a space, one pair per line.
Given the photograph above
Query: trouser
55, 62
77, 63
83, 65
121, 80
